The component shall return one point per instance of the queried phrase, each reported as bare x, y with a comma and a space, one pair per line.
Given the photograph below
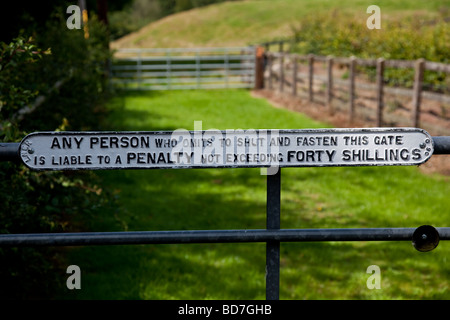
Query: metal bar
148, 76
9, 152
213, 236
183, 50
190, 87
187, 58
441, 145
273, 246
242, 65
223, 73
224, 80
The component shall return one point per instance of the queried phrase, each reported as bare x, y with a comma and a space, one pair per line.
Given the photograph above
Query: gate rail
213, 236
184, 68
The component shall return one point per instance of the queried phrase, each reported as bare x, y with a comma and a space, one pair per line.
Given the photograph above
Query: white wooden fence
184, 68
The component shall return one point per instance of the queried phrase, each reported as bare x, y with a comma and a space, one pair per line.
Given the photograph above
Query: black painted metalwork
423, 238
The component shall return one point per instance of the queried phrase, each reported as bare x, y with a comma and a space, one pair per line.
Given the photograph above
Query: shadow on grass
216, 201
321, 270
121, 118
236, 199
233, 198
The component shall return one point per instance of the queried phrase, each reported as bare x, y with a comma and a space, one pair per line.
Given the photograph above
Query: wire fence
387, 92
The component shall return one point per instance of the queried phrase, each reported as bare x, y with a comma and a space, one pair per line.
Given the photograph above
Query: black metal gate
424, 238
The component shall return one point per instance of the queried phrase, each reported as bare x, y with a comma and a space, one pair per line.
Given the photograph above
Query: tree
46, 201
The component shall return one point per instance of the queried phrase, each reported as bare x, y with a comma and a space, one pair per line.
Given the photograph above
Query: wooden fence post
269, 64
330, 84
380, 104
352, 88
259, 68
294, 77
310, 76
281, 72
417, 94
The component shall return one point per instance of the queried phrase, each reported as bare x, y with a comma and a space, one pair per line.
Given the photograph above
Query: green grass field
236, 199
241, 23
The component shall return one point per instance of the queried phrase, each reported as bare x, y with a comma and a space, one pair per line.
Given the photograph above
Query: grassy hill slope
246, 22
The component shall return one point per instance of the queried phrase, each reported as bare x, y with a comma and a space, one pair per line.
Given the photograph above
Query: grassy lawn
240, 23
235, 199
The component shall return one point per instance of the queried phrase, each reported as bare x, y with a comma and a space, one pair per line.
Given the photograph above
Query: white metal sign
226, 149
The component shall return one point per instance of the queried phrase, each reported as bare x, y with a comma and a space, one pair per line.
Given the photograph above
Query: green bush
35, 202
408, 38
82, 65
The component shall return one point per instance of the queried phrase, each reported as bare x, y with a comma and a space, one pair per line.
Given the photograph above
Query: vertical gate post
273, 247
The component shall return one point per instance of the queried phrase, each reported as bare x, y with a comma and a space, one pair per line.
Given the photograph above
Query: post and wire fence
361, 88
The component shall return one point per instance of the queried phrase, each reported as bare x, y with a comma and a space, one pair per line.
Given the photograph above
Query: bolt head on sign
225, 149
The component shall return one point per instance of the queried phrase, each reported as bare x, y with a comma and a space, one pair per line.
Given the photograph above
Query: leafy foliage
14, 92
408, 38
35, 202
